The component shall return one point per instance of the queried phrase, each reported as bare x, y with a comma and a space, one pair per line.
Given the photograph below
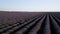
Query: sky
29, 5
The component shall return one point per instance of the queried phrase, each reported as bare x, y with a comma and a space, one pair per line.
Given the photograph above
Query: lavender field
29, 22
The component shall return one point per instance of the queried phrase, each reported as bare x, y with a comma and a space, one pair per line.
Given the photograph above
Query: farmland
29, 22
